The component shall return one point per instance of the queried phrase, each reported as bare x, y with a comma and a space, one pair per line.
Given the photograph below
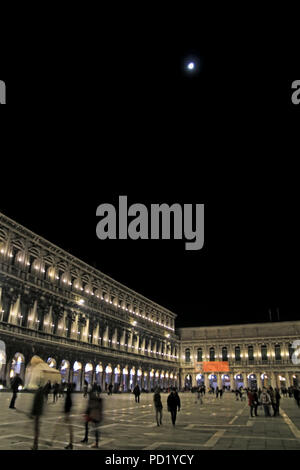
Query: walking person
85, 389
93, 414
158, 406
173, 402
67, 410
110, 387
55, 392
137, 393
277, 402
252, 402
199, 396
36, 413
296, 393
221, 392
15, 384
265, 401
47, 389
273, 400
217, 392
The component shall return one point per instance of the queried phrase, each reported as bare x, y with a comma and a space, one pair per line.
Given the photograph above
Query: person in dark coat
55, 392
110, 387
158, 406
36, 413
277, 402
173, 403
85, 388
67, 410
137, 393
15, 384
296, 393
47, 389
93, 414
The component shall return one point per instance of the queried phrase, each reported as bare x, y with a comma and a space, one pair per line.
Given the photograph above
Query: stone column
123, 340
143, 345
232, 384
206, 381
219, 380
258, 379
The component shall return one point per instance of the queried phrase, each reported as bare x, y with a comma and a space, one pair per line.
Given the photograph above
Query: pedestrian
93, 414
273, 400
221, 392
137, 393
199, 395
110, 387
99, 390
277, 402
173, 402
296, 393
55, 392
253, 402
47, 389
15, 384
158, 406
85, 388
265, 401
217, 392
61, 389
237, 395
36, 413
67, 410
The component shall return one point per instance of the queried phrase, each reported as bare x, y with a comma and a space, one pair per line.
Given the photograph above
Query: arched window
237, 353
187, 355
250, 353
264, 352
199, 354
224, 354
211, 354
277, 352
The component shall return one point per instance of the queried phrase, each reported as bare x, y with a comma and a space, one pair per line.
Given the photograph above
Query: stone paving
217, 424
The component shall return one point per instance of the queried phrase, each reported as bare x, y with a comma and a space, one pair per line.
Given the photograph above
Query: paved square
216, 424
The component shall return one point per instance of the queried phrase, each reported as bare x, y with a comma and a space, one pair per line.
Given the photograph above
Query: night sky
131, 121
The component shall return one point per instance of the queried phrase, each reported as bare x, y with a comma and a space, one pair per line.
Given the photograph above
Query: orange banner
217, 366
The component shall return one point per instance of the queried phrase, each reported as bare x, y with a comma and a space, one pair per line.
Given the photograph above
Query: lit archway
108, 376
64, 371
77, 375
239, 380
225, 381
131, 378
252, 381
200, 380
139, 378
88, 373
125, 379
213, 382
17, 366
188, 382
264, 380
99, 374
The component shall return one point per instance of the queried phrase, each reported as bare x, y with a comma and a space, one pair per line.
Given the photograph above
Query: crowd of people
267, 399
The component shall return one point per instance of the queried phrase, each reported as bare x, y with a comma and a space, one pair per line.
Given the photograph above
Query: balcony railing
43, 336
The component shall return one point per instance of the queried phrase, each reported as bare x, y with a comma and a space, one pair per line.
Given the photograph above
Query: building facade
90, 327
77, 319
257, 355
